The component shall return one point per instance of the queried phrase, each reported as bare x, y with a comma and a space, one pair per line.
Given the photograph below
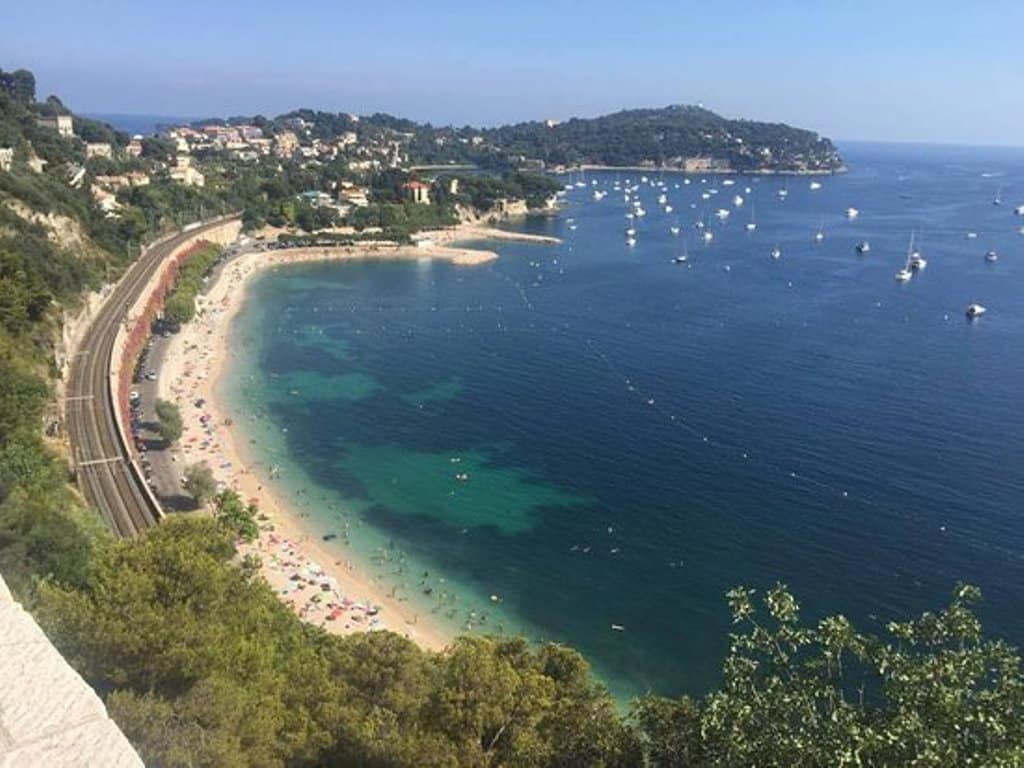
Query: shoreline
709, 172
341, 596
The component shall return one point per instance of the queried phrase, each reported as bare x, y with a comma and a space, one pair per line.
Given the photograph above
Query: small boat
991, 257
682, 258
863, 247
668, 209
618, 628
972, 235
1019, 210
776, 252
906, 273
722, 214
630, 232
916, 262
728, 182
852, 213
631, 241
737, 200
674, 229
820, 234
975, 310
708, 235
998, 199
752, 224
815, 185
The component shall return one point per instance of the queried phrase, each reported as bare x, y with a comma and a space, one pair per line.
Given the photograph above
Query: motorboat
991, 257
863, 247
975, 310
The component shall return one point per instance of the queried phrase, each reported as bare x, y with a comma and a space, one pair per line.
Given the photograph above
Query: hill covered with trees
680, 137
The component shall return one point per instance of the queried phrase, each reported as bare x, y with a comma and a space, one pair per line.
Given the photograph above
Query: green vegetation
639, 137
169, 424
180, 304
202, 665
200, 483
485, 192
235, 515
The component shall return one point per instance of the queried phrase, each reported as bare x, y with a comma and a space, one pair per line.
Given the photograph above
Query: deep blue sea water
635, 437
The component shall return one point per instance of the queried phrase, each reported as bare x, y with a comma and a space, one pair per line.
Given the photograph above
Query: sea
590, 443
145, 125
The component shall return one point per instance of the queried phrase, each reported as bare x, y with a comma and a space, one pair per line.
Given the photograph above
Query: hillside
680, 137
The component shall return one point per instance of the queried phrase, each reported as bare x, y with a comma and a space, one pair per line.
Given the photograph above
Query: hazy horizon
927, 74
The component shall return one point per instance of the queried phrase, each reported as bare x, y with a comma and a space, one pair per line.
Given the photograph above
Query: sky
902, 70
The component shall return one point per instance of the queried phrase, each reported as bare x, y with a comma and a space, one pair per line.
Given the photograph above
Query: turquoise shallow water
597, 436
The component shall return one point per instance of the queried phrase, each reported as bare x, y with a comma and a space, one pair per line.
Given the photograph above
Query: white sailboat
776, 252
906, 273
752, 224
917, 262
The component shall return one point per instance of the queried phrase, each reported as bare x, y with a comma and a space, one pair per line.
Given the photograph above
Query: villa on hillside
6, 158
98, 149
417, 192
62, 124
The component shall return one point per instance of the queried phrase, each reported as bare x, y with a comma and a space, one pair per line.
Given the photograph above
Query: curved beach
339, 595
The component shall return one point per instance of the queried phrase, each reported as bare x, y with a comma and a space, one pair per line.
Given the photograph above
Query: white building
6, 158
98, 149
62, 124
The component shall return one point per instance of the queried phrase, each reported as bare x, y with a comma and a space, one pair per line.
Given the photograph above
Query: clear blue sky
897, 70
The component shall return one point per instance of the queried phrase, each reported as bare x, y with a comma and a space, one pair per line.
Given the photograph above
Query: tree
200, 483
932, 693
20, 85
237, 516
170, 424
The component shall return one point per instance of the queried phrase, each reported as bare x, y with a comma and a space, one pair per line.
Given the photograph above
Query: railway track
102, 459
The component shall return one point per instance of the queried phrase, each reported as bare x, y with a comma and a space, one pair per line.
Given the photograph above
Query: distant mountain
684, 137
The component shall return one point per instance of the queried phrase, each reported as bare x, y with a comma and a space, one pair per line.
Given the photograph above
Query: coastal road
100, 456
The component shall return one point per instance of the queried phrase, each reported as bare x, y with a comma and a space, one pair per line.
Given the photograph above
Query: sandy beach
332, 593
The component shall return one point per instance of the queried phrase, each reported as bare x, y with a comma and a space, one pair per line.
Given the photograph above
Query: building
48, 714
98, 149
62, 124
131, 179
184, 173
6, 158
285, 144
134, 148
35, 162
352, 195
417, 192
